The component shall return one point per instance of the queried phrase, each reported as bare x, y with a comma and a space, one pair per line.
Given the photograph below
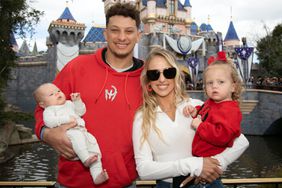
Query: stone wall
26, 77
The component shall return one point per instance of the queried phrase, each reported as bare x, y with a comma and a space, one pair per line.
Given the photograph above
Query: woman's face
163, 87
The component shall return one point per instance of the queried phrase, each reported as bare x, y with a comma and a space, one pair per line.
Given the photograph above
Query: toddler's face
219, 84
52, 95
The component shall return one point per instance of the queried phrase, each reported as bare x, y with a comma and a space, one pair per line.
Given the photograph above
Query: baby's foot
92, 159
102, 177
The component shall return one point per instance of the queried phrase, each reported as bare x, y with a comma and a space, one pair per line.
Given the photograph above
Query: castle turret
188, 8
34, 51
65, 35
231, 38
24, 49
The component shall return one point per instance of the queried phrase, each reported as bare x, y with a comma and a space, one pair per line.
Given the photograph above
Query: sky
249, 16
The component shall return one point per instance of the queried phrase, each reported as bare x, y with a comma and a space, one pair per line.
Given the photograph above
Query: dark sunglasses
154, 75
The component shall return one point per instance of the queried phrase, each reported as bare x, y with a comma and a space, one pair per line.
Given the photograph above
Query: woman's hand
211, 169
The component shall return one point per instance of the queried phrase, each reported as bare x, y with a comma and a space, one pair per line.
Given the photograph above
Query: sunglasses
153, 75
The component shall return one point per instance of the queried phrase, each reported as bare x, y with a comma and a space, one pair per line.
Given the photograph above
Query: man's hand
211, 170
57, 138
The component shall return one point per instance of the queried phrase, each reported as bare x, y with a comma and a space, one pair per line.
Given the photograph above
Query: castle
164, 23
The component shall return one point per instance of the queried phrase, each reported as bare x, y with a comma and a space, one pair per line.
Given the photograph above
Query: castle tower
65, 35
188, 20
167, 16
231, 38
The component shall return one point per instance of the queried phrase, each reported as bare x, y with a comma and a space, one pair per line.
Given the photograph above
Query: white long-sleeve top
158, 159
57, 115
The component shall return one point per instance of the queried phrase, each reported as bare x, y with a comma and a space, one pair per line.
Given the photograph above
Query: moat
38, 161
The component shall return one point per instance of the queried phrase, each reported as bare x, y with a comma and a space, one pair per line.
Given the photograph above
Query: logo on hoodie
110, 94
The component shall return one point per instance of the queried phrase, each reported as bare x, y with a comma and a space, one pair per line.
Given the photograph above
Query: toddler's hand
75, 96
196, 122
189, 110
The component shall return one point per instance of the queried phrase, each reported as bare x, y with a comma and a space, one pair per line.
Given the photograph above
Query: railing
235, 182
151, 184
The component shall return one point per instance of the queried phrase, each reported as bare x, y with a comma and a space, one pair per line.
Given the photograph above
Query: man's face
121, 34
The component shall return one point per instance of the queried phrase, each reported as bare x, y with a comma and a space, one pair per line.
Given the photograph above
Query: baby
58, 111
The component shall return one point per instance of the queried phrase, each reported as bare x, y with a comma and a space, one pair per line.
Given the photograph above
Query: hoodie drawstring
125, 92
103, 86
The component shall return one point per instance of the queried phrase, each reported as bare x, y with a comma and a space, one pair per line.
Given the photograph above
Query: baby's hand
75, 96
189, 110
73, 120
196, 122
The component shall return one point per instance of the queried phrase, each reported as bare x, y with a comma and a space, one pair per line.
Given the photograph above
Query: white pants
85, 145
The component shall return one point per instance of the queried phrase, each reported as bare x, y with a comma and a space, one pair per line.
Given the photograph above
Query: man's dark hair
123, 9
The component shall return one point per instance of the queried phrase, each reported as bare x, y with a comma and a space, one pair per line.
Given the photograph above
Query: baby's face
52, 95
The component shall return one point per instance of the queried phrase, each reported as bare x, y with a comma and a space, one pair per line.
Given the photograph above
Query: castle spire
231, 33
66, 15
187, 3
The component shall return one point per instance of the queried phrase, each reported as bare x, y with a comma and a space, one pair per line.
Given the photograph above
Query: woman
161, 138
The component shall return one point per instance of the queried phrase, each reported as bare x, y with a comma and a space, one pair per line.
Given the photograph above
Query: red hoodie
111, 100
220, 127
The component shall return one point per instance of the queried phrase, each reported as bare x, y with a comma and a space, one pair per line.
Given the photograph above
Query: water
38, 161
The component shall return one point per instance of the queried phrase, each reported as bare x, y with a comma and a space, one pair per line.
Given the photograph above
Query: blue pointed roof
206, 27
66, 15
187, 3
209, 27
203, 27
95, 34
231, 33
180, 6
194, 28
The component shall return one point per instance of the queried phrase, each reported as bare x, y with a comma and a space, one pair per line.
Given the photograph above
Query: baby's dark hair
124, 9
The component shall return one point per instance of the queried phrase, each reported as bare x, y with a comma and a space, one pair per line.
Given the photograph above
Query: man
109, 84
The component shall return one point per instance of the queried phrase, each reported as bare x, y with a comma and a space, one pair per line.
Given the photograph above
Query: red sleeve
221, 127
38, 115
62, 81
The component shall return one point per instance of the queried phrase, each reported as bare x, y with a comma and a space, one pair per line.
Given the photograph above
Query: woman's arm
231, 154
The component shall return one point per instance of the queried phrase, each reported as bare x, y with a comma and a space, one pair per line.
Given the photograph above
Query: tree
269, 51
16, 17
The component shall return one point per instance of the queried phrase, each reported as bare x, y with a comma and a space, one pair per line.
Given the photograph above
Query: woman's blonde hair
234, 76
150, 102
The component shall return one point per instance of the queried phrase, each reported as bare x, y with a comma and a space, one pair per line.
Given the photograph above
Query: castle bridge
262, 111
